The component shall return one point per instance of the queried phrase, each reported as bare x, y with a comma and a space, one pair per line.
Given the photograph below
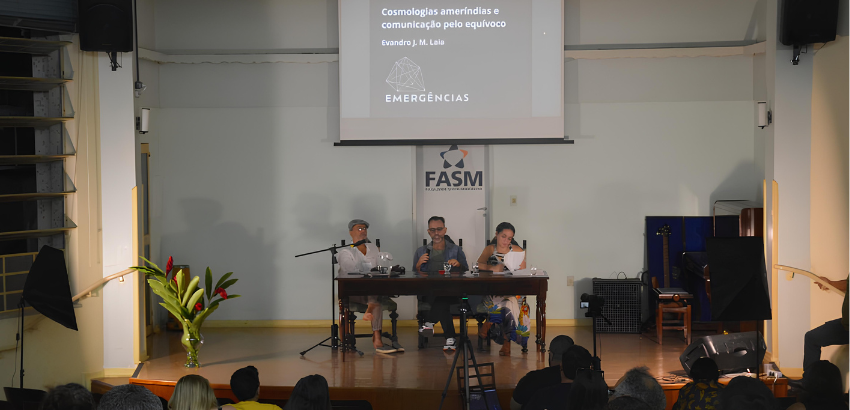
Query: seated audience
193, 392
702, 392
627, 403
747, 393
639, 383
539, 379
130, 397
310, 393
822, 388
245, 385
557, 396
589, 391
69, 396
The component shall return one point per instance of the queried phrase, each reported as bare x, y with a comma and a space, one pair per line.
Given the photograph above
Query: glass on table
447, 268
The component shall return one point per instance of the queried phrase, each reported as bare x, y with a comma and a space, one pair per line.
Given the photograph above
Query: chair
386, 304
487, 373
674, 301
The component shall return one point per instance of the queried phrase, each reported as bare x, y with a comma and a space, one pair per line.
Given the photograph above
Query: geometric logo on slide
406, 76
453, 157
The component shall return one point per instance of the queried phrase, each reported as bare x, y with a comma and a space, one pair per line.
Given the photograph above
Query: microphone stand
334, 337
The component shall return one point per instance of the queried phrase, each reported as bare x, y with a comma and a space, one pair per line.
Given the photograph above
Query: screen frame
467, 141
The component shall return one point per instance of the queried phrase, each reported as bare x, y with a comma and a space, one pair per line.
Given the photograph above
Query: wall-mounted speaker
106, 25
808, 21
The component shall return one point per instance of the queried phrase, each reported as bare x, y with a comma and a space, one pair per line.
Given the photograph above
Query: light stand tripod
334, 337
465, 347
594, 310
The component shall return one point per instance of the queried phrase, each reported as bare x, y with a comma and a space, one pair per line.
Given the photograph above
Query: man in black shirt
538, 379
556, 397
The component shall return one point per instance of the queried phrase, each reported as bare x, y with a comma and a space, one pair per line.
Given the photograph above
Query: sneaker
398, 348
427, 330
450, 344
385, 349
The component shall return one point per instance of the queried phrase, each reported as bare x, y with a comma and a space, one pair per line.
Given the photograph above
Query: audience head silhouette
822, 387
746, 393
245, 384
310, 393
576, 357
557, 347
627, 403
589, 391
639, 383
192, 392
129, 397
69, 396
705, 369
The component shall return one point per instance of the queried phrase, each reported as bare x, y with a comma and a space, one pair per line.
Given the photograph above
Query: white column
118, 177
790, 166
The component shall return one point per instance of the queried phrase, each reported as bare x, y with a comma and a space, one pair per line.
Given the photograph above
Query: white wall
250, 176
660, 21
656, 137
245, 25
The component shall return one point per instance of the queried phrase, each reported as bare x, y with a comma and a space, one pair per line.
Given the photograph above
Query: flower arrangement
187, 302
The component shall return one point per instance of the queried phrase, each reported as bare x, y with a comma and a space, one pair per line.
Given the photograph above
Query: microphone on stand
358, 243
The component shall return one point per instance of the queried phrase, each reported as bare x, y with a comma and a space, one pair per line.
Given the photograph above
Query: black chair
487, 374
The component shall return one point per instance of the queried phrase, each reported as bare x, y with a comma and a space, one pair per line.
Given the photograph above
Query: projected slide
451, 69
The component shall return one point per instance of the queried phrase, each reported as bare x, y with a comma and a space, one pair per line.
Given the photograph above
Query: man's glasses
361, 229
436, 230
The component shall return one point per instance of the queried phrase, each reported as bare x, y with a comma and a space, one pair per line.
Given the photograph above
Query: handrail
85, 293
811, 275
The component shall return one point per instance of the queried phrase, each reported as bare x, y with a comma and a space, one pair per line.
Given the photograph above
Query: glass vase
192, 341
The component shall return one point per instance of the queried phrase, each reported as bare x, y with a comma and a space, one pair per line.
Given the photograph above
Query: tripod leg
316, 345
449, 379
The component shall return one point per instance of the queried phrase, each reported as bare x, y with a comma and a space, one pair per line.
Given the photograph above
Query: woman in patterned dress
509, 313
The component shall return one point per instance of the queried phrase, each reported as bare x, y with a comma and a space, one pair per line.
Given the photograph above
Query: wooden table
435, 284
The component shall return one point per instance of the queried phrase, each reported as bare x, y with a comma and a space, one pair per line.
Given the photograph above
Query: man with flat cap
360, 259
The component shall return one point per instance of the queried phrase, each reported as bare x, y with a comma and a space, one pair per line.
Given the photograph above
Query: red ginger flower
222, 292
198, 306
169, 265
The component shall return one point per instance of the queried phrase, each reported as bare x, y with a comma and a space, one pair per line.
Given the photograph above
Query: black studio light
48, 291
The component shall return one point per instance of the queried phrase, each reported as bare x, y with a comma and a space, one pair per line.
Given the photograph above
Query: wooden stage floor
415, 377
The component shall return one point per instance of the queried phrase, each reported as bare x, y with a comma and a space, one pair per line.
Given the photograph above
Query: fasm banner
452, 180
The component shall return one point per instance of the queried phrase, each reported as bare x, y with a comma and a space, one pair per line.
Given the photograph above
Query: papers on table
527, 272
513, 260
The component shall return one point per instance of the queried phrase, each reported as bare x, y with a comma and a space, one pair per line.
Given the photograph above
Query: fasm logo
454, 158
